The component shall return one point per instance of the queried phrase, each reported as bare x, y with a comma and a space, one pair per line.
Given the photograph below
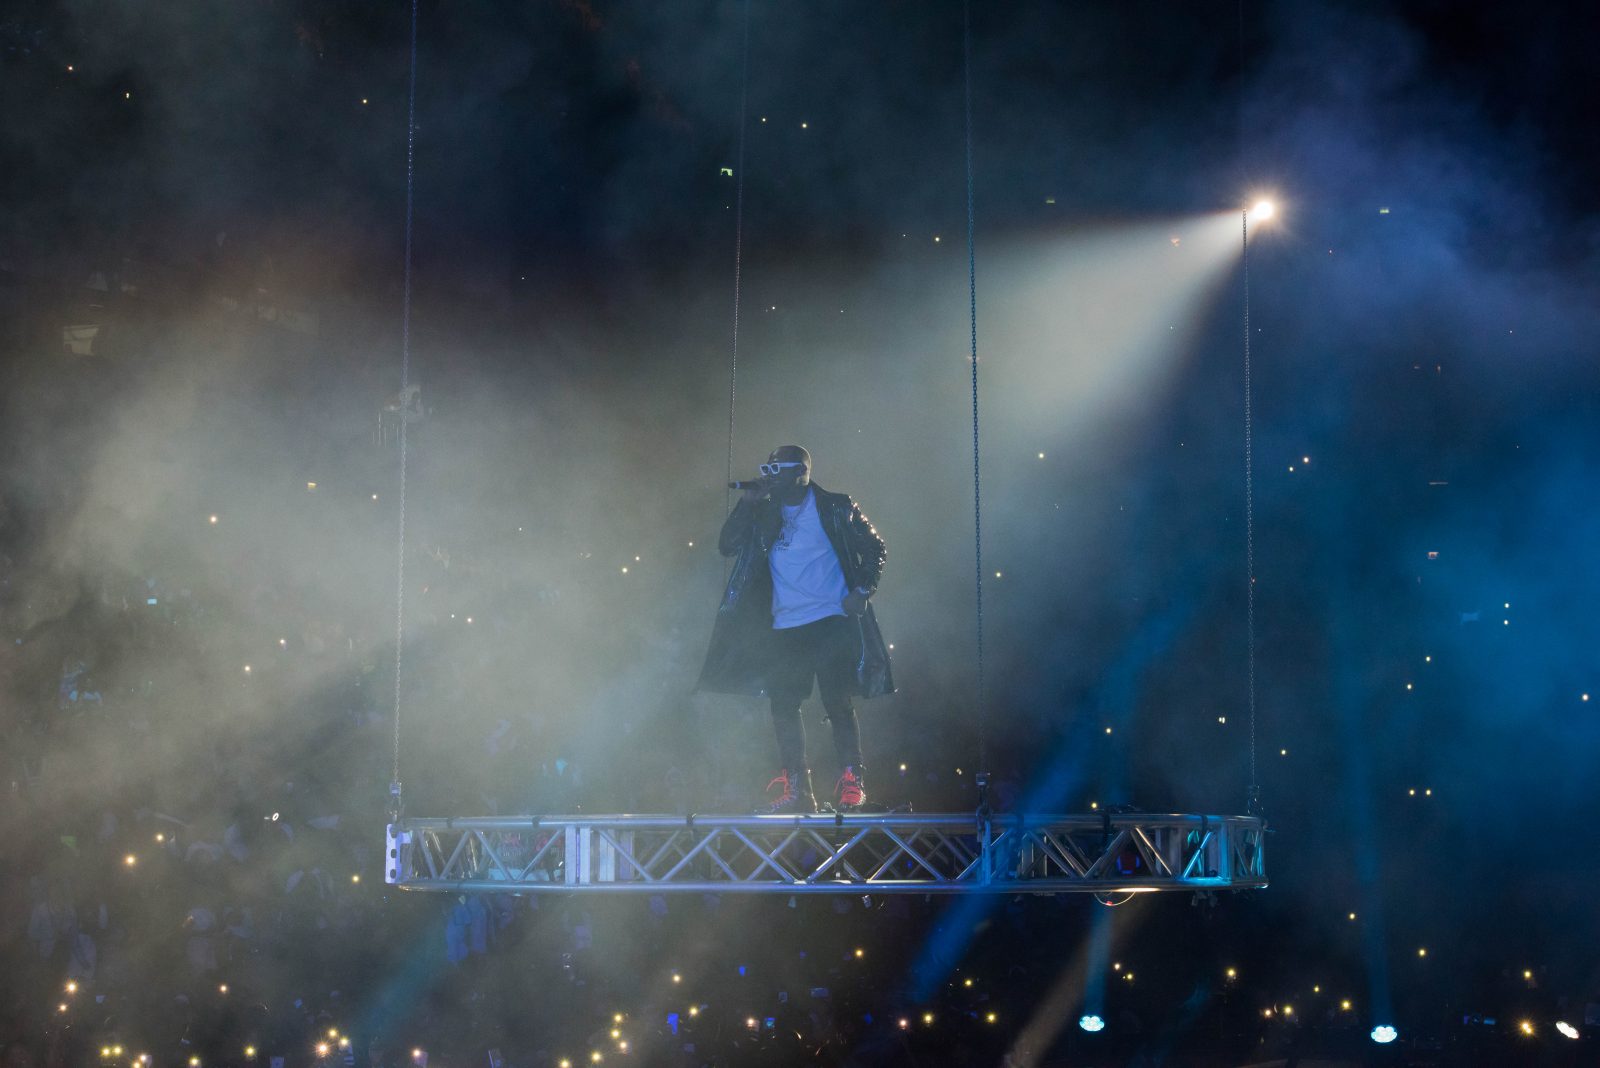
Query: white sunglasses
771, 470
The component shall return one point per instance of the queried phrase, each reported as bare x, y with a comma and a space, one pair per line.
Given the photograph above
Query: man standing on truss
796, 609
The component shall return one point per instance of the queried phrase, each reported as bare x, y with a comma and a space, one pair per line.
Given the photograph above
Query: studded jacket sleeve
869, 549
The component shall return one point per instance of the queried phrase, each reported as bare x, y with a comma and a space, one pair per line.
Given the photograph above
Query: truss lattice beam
828, 854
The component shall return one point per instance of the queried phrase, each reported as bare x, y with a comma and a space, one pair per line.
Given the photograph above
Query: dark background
202, 233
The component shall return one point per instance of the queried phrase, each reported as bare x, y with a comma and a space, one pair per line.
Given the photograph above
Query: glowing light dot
61, 1007
1585, 697
1232, 973
636, 559
676, 978
69, 68
363, 101
1566, 1029
691, 545
624, 570
249, 1051
1345, 1004
617, 1018
1526, 1027
904, 1023
1283, 752
991, 1017
222, 988
750, 1022
469, 619
1316, 990
194, 1062
355, 878
936, 239
1427, 660
927, 1017
1222, 719
623, 1046
1352, 917
860, 953
283, 643
1116, 966
322, 1049
694, 1010
1288, 1010
1305, 459
1527, 973
805, 126
1428, 792
1094, 804
72, 986
1422, 951
1263, 210
247, 669
1108, 730
615, 1033
997, 574
333, 1032
1041, 456
127, 96
311, 485
130, 860
1408, 686
375, 497
902, 767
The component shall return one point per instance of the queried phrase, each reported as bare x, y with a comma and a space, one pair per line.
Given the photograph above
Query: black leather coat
741, 637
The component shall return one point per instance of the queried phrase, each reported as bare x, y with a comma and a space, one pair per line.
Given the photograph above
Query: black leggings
826, 651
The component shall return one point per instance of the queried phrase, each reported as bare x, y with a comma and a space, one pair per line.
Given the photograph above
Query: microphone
759, 483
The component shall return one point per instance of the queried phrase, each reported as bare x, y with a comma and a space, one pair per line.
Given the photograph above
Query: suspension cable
1253, 799
977, 485
405, 385
738, 245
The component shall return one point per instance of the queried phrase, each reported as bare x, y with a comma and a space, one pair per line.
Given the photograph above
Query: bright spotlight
1383, 1034
1091, 1023
1566, 1029
1263, 211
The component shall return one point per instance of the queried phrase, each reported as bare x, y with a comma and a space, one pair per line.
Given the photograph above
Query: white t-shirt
807, 581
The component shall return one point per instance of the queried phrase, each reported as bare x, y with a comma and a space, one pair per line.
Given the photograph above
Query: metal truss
828, 854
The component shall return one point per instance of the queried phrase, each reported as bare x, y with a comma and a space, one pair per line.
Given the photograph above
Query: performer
797, 607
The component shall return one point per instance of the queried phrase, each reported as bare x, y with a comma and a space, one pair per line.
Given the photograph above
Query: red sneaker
850, 791
789, 793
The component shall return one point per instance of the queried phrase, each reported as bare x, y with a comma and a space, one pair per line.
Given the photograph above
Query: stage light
676, 978
1344, 1005
1422, 951
1352, 917
617, 1017
1384, 1034
222, 988
904, 1023
991, 1018
213, 520
616, 1033
194, 1062
927, 1018
860, 953
322, 1049
966, 982
1232, 973
1566, 1029
1526, 1027
1263, 211
250, 1052
130, 860
72, 986
1091, 1023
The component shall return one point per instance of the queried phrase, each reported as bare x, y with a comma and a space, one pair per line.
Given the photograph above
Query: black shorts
825, 650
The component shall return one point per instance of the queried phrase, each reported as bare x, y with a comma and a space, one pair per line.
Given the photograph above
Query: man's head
794, 473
